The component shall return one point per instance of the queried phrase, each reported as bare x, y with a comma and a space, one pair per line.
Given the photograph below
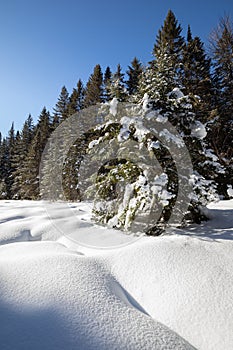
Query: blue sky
47, 44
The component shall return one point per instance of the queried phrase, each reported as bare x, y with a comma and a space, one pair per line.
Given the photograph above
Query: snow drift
156, 293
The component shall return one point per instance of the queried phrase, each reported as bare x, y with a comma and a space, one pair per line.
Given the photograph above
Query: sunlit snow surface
68, 284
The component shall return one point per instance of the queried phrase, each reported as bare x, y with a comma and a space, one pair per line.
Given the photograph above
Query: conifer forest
186, 84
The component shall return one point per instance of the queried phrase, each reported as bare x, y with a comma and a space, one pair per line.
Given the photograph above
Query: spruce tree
107, 84
169, 39
81, 94
222, 51
30, 168
76, 99
94, 88
73, 103
196, 75
21, 151
165, 70
4, 157
117, 88
134, 72
9, 167
61, 108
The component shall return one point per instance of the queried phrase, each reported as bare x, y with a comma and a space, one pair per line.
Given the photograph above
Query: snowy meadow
116, 225
97, 288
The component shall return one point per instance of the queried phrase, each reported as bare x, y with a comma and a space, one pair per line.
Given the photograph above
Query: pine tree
22, 146
3, 190
134, 72
76, 99
222, 50
196, 75
169, 39
107, 84
165, 71
61, 107
117, 88
94, 88
30, 168
4, 156
73, 103
9, 168
81, 94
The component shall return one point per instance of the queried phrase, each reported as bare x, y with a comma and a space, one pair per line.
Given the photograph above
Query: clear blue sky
46, 44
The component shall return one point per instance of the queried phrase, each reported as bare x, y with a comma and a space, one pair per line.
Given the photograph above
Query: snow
176, 93
230, 191
153, 145
198, 130
69, 284
145, 102
93, 143
169, 137
113, 106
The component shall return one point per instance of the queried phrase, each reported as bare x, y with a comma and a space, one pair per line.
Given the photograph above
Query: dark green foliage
181, 84
165, 70
222, 51
8, 150
76, 99
134, 73
61, 107
169, 38
94, 88
29, 188
23, 143
196, 76
168, 53
107, 84
117, 88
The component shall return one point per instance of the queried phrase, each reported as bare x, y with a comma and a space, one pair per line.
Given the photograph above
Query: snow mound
151, 294
184, 283
53, 298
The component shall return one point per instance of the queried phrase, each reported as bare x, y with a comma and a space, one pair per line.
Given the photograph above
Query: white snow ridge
169, 292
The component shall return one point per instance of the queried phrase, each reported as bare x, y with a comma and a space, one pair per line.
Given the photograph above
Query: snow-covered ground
66, 283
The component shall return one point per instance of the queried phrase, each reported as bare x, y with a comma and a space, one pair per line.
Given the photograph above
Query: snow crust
56, 293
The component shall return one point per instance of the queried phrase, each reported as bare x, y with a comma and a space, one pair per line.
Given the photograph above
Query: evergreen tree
117, 88
107, 84
146, 190
23, 142
76, 99
81, 94
73, 103
94, 88
196, 75
61, 107
134, 72
3, 190
9, 168
165, 71
30, 169
169, 39
222, 51
4, 165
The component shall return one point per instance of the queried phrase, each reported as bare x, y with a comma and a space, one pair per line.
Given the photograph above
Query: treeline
178, 62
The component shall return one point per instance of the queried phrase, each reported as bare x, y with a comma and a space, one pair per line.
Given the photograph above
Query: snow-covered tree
157, 164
